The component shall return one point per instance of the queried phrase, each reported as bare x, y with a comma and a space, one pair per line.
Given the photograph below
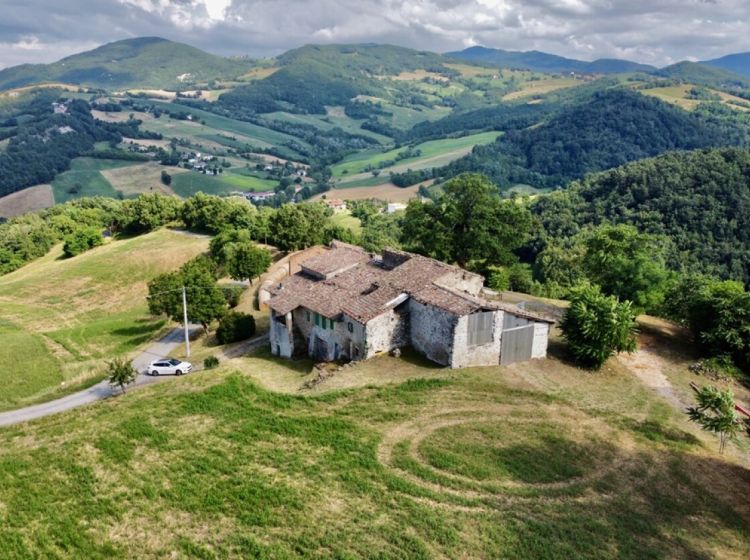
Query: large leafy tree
719, 317
205, 300
467, 223
295, 227
597, 326
627, 264
150, 211
245, 260
715, 413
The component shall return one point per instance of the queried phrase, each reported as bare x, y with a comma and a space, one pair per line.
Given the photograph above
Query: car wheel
154, 373
178, 372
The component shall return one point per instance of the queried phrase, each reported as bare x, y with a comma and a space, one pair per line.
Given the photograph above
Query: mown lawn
536, 460
61, 318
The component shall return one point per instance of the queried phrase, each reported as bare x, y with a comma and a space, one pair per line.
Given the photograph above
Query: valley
386, 219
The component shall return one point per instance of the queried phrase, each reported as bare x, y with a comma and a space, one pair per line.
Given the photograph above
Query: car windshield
174, 362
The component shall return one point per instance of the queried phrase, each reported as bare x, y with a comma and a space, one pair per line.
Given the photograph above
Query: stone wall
431, 331
488, 354
541, 338
463, 281
281, 336
388, 331
339, 342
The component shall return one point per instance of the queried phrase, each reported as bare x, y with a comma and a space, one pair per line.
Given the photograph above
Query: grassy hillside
536, 460
62, 318
143, 62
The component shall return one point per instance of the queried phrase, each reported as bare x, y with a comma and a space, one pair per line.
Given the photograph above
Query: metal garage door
516, 344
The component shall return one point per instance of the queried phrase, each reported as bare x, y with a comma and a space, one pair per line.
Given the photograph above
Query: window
323, 322
480, 328
307, 316
350, 327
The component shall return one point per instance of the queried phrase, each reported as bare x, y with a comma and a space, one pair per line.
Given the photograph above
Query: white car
169, 366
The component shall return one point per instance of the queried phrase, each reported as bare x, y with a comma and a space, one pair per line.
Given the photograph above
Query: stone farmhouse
348, 304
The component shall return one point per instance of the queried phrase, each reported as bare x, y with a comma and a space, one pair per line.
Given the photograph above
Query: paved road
103, 389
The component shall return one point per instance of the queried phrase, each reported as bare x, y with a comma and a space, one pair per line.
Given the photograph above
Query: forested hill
610, 129
142, 62
545, 62
314, 76
699, 199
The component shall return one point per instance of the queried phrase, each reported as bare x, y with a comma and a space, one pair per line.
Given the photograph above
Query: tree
597, 326
291, 229
225, 237
469, 222
150, 211
121, 373
719, 317
205, 300
627, 264
715, 413
166, 178
82, 240
245, 261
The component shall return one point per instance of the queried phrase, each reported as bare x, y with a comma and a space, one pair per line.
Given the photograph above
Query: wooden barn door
516, 343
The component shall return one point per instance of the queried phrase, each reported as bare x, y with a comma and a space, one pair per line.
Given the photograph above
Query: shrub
81, 241
210, 362
596, 326
232, 293
235, 326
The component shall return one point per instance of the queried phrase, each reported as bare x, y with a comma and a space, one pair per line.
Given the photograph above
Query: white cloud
653, 31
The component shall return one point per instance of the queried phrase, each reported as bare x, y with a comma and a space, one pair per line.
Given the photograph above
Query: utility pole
185, 321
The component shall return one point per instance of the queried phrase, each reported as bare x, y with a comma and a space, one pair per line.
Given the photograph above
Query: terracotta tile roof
346, 279
338, 258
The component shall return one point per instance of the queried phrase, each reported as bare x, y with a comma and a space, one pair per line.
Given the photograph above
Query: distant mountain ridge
146, 62
704, 74
738, 63
544, 62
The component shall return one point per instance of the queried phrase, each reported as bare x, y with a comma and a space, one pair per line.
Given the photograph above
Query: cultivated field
391, 458
540, 87
62, 318
188, 183
29, 199
434, 153
84, 178
137, 179
386, 191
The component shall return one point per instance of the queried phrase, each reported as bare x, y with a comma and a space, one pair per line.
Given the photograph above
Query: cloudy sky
653, 31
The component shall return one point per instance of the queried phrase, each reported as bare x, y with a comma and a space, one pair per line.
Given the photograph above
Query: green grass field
84, 179
346, 220
390, 458
187, 184
62, 318
434, 153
